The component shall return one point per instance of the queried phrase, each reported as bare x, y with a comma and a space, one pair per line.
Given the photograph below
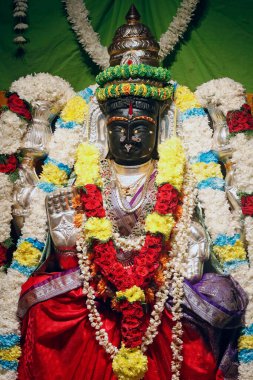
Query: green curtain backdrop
218, 43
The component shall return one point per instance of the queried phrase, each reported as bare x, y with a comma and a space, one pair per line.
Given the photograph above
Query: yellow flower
132, 294
52, 174
156, 223
245, 342
185, 99
230, 252
171, 163
130, 364
10, 354
87, 165
204, 170
87, 174
27, 255
87, 151
98, 228
75, 110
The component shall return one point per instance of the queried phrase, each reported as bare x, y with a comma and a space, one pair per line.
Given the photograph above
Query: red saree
59, 343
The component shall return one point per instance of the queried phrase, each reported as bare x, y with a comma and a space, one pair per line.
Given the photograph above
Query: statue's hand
61, 218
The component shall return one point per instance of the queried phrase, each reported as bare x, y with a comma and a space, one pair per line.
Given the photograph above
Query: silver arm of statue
198, 252
223, 147
34, 147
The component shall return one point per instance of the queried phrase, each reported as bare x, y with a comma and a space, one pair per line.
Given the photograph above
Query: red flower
166, 200
18, 106
134, 310
247, 204
3, 255
10, 165
241, 120
92, 201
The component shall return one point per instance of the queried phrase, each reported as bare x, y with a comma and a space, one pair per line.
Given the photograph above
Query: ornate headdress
134, 65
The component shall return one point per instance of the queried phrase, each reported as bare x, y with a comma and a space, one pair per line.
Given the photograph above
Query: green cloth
217, 44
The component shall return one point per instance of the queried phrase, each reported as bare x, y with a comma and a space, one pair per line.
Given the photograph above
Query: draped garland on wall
89, 39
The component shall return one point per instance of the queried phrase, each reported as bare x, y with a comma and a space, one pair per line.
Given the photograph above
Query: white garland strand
173, 275
20, 14
228, 95
177, 28
87, 37
32, 88
43, 87
224, 94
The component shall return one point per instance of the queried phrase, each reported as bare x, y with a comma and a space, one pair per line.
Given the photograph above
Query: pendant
126, 258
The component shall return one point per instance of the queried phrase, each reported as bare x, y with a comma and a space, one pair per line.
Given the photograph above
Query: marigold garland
131, 284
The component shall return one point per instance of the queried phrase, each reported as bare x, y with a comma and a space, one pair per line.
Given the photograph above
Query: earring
151, 132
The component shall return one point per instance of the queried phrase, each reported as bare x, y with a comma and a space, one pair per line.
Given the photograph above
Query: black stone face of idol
132, 141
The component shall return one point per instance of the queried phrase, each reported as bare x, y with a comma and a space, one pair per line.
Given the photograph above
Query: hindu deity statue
125, 288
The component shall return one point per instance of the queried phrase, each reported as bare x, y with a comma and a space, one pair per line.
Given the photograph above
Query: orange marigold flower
115, 304
93, 269
179, 212
159, 278
78, 220
101, 287
150, 296
76, 201
164, 260
126, 89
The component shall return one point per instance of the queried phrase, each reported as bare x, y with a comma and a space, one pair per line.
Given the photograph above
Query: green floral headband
125, 72
134, 89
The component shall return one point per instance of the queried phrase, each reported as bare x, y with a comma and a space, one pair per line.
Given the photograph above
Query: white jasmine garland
228, 95
20, 11
12, 129
242, 146
6, 187
43, 87
21, 26
35, 225
224, 94
197, 135
218, 217
89, 39
64, 143
173, 274
33, 88
177, 28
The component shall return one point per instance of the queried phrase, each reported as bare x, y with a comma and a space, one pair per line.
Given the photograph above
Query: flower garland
240, 125
196, 135
89, 40
177, 28
132, 284
13, 124
20, 14
135, 89
133, 71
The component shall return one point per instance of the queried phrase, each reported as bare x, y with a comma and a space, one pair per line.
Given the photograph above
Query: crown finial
132, 16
